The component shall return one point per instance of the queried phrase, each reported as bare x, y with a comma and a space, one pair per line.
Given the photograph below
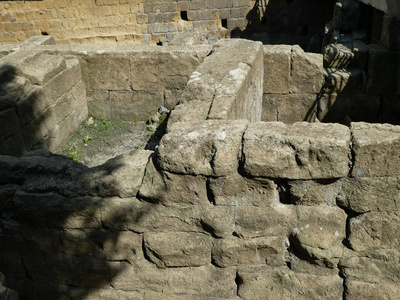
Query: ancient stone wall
222, 210
118, 21
43, 99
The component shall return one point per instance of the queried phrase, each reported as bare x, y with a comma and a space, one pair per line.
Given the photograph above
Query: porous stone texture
204, 220
43, 100
298, 151
226, 86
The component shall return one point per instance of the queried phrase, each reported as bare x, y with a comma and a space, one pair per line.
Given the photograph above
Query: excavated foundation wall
225, 208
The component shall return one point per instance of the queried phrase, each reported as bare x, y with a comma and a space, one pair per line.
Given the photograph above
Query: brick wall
118, 21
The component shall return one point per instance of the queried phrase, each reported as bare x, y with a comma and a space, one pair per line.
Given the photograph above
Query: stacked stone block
222, 210
43, 100
119, 22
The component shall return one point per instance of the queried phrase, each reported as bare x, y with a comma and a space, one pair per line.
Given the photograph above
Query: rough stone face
168, 188
255, 251
207, 148
5, 293
277, 63
289, 108
307, 72
373, 144
299, 151
236, 190
314, 192
178, 249
266, 283
364, 194
366, 290
374, 230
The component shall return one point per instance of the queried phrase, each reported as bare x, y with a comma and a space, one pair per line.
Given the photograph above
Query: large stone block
266, 283
208, 281
370, 290
186, 250
161, 69
139, 105
299, 151
307, 72
277, 64
314, 192
167, 188
253, 221
207, 148
376, 150
255, 251
289, 108
236, 190
374, 231
364, 194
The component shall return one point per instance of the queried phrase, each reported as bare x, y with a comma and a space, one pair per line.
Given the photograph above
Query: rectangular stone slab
299, 151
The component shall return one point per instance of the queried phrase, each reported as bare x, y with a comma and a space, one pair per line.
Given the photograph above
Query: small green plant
106, 124
133, 122
74, 152
87, 138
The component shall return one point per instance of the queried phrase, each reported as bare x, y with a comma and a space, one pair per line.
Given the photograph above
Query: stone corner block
208, 148
376, 149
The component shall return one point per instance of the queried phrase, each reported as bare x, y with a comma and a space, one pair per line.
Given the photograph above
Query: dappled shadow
67, 231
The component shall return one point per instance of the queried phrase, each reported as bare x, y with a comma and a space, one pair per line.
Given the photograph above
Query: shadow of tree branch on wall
66, 231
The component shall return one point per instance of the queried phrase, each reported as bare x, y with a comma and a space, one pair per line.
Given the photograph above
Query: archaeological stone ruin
278, 176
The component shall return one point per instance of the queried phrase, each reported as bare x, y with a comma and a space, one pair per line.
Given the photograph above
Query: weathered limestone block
237, 190
208, 281
239, 94
383, 67
266, 283
229, 81
193, 111
299, 151
359, 107
314, 192
139, 105
42, 67
168, 188
277, 64
319, 234
207, 148
132, 214
289, 108
384, 269
179, 249
120, 176
371, 290
255, 251
374, 231
307, 72
253, 221
107, 70
364, 194
376, 150
164, 69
